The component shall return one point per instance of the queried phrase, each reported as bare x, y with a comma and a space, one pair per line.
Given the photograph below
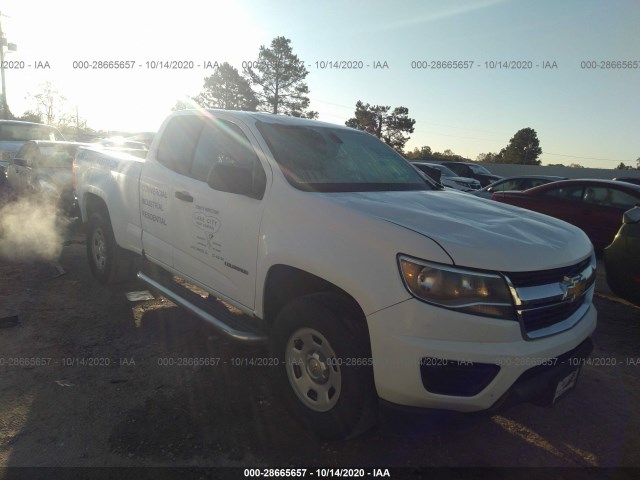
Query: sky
582, 115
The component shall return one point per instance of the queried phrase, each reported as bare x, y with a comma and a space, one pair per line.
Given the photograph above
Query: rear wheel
325, 367
108, 262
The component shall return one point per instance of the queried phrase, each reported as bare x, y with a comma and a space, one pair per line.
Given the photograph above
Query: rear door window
609, 197
222, 142
179, 140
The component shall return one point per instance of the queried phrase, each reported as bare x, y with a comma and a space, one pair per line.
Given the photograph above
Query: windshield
479, 169
17, 132
337, 160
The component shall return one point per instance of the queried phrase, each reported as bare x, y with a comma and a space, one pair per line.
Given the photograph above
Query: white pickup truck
370, 283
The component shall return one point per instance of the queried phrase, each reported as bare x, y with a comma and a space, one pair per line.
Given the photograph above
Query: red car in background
595, 206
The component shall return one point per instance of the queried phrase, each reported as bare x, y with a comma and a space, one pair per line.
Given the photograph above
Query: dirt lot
85, 381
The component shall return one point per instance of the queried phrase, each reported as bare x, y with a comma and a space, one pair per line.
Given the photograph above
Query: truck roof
253, 117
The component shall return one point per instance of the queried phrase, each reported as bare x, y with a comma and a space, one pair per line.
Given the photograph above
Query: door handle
184, 196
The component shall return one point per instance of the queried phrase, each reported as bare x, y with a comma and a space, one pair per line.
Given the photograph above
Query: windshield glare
337, 160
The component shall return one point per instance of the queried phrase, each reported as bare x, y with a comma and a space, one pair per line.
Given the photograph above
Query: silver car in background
14, 134
45, 168
447, 177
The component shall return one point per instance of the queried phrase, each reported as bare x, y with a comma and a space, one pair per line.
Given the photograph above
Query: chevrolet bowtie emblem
572, 287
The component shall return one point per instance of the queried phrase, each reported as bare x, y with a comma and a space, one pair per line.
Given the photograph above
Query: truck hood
476, 232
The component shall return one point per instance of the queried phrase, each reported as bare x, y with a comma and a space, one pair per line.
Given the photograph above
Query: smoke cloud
31, 228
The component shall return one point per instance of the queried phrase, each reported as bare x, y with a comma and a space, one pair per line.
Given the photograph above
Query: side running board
236, 327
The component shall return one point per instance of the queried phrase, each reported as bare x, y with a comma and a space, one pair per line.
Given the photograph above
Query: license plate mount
565, 385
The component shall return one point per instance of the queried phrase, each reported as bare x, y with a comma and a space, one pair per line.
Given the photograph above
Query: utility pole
4, 86
10, 47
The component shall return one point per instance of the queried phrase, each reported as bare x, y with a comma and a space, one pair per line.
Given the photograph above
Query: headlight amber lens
468, 291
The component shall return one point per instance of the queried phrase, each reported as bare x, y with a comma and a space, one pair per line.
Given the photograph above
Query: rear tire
108, 262
324, 365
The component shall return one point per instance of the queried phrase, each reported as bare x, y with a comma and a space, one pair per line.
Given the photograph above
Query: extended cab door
162, 183
219, 230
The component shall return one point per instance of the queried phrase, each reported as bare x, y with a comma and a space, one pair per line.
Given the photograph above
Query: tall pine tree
279, 77
392, 127
228, 90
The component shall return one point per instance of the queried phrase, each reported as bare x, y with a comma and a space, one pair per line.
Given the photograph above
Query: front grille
545, 317
547, 298
543, 277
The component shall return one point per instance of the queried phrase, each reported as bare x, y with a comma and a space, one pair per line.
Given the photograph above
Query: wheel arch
94, 203
285, 283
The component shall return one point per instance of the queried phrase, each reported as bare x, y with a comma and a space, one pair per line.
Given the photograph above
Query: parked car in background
121, 144
448, 178
472, 170
523, 182
595, 206
44, 167
143, 137
14, 134
634, 180
622, 258
433, 173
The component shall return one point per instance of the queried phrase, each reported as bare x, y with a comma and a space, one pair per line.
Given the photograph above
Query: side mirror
235, 179
631, 216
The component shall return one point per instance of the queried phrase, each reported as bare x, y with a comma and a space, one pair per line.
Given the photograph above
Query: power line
463, 128
334, 104
458, 136
588, 158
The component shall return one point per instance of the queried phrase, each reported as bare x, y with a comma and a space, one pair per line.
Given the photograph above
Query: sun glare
189, 36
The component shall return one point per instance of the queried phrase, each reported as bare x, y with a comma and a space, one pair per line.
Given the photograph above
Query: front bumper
538, 384
404, 335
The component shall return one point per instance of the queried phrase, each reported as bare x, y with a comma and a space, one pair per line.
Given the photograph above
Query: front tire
325, 367
108, 262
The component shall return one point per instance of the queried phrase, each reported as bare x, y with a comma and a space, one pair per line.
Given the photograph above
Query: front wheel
108, 262
325, 367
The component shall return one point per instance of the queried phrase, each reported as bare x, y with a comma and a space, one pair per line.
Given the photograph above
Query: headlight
467, 291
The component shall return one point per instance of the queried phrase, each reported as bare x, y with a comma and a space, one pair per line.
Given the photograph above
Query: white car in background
448, 178
121, 144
